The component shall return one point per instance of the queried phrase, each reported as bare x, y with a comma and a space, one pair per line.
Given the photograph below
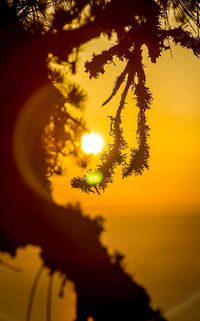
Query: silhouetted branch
62, 44
32, 293
184, 38
118, 83
49, 294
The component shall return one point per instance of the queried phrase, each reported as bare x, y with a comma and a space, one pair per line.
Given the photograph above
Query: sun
92, 143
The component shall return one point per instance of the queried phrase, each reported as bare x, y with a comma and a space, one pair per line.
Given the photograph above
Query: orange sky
165, 260
171, 184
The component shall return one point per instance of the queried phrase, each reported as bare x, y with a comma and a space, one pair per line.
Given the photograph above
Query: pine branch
139, 157
114, 156
118, 83
80, 182
63, 42
184, 38
120, 50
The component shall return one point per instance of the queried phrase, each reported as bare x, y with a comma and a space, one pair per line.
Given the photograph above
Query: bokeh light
93, 178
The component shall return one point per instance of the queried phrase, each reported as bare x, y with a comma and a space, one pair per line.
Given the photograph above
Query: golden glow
171, 186
92, 143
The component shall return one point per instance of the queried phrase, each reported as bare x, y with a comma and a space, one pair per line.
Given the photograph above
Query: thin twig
32, 293
49, 292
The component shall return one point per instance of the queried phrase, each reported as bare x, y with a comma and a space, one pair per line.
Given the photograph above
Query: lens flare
92, 143
94, 178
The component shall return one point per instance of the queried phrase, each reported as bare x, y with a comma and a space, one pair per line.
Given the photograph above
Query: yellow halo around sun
92, 143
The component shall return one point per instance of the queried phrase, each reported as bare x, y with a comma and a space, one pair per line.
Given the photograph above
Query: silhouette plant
62, 26
70, 241
62, 135
146, 31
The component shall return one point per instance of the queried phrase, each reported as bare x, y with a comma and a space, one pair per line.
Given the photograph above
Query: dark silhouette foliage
145, 28
29, 32
61, 27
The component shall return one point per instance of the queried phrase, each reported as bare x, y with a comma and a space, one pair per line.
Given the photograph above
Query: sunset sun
92, 143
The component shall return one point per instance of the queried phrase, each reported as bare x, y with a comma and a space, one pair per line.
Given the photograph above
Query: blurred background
152, 219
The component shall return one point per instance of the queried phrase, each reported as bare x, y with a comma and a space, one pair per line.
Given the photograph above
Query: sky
171, 186
153, 219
